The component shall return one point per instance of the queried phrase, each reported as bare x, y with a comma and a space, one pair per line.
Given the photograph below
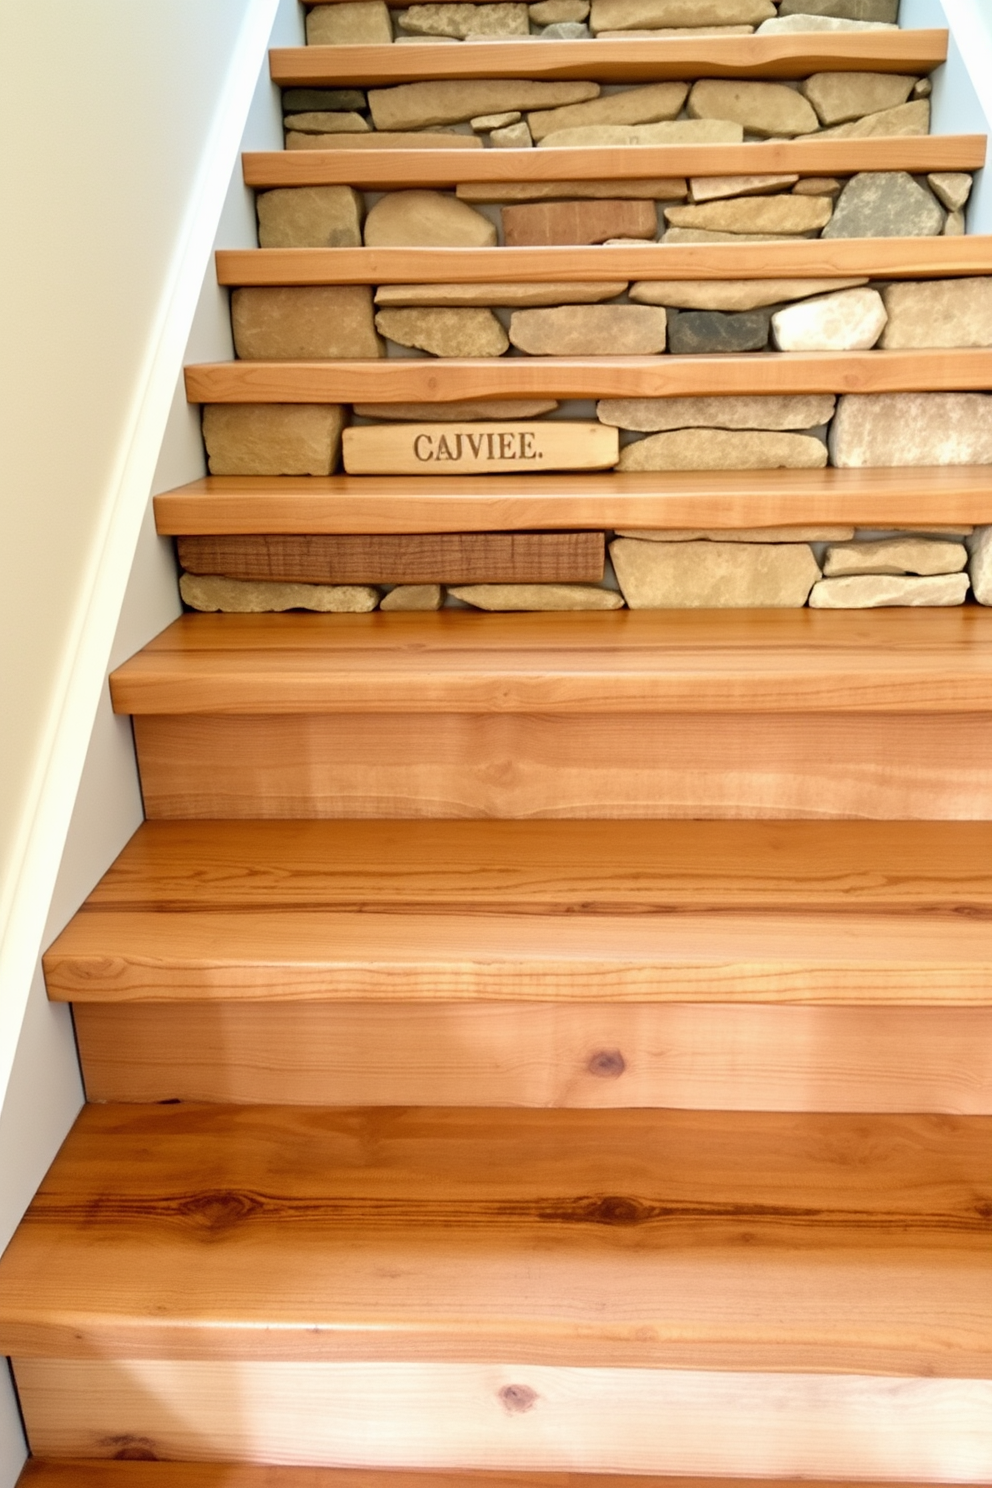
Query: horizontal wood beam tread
91, 1473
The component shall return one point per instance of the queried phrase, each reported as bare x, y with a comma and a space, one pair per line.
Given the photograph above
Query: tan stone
674, 235
667, 188
817, 186
678, 132
451, 101
954, 226
427, 219
272, 438
899, 429
626, 15
485, 122
717, 188
731, 294
327, 123
590, 330
263, 596
713, 575
852, 320
938, 312
445, 332
310, 217
742, 534
980, 565
761, 108
907, 119
895, 555
756, 214
413, 140
549, 12
513, 137
414, 597
746, 411
723, 449
647, 105
688, 32
789, 24
877, 591
465, 411
542, 224
420, 40
299, 323
951, 188
537, 597
350, 22
498, 294
459, 21
840, 96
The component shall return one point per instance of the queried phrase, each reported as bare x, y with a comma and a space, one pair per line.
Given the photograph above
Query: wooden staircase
530, 1051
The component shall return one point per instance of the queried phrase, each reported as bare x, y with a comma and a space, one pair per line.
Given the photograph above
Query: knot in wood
606, 1064
219, 1210
516, 1399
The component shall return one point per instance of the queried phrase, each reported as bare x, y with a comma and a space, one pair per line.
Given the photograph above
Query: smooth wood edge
110, 1473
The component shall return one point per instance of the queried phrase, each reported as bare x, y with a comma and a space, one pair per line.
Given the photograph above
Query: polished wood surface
109, 1473
619, 499
493, 447
678, 1240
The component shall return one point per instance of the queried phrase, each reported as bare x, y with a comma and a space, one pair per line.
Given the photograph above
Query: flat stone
310, 217
673, 235
731, 294
513, 137
878, 591
413, 140
850, 321
545, 223
548, 12
724, 449
302, 100
646, 105
537, 596
938, 312
713, 575
954, 225
590, 330
419, 40
980, 564
325, 123
761, 108
922, 88
817, 186
951, 188
743, 534
839, 96
460, 21
498, 294
847, 10
445, 332
885, 204
717, 188
895, 429
427, 219
263, 596
705, 332
665, 188
895, 555
677, 132
625, 15
688, 32
755, 214
349, 23
787, 25
907, 119
272, 438
457, 413
651, 415
451, 101
301, 323
565, 31
414, 597
485, 122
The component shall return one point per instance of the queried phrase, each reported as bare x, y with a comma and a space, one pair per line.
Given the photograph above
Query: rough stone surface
652, 415
485, 122
892, 429
951, 188
817, 186
704, 235
724, 449
456, 413
537, 596
761, 108
498, 294
565, 31
627, 15
787, 25
300, 323
848, 10
590, 330
262, 596
895, 555
742, 534
272, 438
938, 312
451, 101
685, 32
980, 564
954, 226
415, 140
718, 188
666, 188
702, 332
922, 88
418, 40
513, 137
677, 132
878, 591
713, 575
427, 219
350, 22
445, 332
414, 597
302, 100
850, 321
459, 21
840, 96
647, 105
885, 204
732, 294
908, 119
549, 12
756, 214
327, 123
545, 223
310, 217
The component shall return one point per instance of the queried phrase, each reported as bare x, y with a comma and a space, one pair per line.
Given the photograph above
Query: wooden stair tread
838, 1244
112, 1473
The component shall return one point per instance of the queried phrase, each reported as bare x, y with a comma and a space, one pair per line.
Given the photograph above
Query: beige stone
451, 101
817, 186
900, 429
938, 312
787, 25
414, 597
263, 596
350, 22
327, 123
310, 217
954, 226
675, 235
713, 575
723, 449
746, 411
485, 122
300, 323
667, 188
457, 413
742, 534
498, 294
907, 119
878, 591
549, 12
850, 321
761, 108
841, 96
537, 597
590, 330
427, 219
647, 105
413, 140
687, 32
445, 332
895, 555
756, 214
731, 294
272, 438
459, 21
980, 564
717, 188
420, 40
626, 15
922, 88
951, 188
513, 137
677, 132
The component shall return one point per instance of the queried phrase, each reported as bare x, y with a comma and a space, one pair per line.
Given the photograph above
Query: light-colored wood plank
719, 1057
134, 1473
436, 380
624, 499
479, 449
401, 169
758, 1242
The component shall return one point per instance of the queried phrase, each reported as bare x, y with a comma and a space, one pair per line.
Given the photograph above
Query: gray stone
590, 330
885, 204
513, 137
908, 119
451, 101
980, 564
847, 10
879, 591
713, 575
787, 25
756, 214
894, 429
457, 413
350, 23
550, 12
840, 96
850, 321
731, 294
414, 597
303, 100
537, 597
427, 219
700, 332
647, 105
272, 438
938, 312
676, 132
768, 109
498, 294
263, 596
310, 217
302, 323
651, 415
445, 332
895, 555
325, 123
719, 188
954, 226
565, 31
723, 449
494, 19
627, 15
951, 188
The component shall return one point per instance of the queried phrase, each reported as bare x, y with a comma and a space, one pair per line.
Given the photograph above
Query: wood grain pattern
450, 558
479, 449
624, 499
635, 1239
436, 380
110, 1473
595, 1055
